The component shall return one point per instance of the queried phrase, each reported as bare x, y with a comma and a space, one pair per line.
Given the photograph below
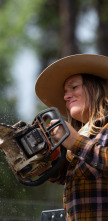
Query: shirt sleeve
59, 176
93, 151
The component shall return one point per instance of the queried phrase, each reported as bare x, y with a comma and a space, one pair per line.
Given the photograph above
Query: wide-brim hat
49, 85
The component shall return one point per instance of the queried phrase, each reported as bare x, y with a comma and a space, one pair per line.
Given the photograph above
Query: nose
67, 95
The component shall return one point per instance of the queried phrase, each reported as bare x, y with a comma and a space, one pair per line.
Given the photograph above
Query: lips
69, 104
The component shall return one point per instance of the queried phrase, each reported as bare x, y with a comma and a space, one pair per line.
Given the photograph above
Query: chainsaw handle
52, 113
48, 173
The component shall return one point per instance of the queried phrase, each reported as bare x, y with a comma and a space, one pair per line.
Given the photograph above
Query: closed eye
75, 87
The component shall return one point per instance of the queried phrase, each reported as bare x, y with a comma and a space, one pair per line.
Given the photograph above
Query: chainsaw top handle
51, 114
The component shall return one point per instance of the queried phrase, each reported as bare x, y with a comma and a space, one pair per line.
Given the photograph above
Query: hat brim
49, 85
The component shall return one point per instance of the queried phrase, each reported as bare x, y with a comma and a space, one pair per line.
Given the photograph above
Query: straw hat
49, 85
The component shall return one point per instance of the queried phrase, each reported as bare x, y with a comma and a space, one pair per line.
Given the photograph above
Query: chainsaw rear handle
51, 113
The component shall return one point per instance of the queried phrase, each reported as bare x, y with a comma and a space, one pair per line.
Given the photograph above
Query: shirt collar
85, 130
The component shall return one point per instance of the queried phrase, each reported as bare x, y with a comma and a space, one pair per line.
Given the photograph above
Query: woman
78, 86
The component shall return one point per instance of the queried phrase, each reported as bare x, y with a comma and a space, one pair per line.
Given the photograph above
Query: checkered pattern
85, 179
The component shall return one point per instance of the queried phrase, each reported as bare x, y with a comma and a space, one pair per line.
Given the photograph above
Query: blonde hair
98, 103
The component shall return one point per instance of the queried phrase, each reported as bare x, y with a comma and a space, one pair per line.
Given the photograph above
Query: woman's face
77, 98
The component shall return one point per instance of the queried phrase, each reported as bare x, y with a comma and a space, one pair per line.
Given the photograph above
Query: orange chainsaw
30, 149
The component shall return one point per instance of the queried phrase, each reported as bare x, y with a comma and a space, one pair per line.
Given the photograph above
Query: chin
76, 115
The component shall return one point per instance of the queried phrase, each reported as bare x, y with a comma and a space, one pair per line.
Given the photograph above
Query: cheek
83, 98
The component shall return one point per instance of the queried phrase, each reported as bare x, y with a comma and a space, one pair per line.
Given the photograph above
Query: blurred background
33, 34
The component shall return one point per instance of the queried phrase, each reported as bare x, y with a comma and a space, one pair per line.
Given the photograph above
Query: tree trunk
102, 10
68, 16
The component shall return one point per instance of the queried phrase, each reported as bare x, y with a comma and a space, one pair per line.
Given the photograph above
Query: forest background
33, 34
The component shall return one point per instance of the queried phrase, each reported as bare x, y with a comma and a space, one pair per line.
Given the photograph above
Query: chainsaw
30, 150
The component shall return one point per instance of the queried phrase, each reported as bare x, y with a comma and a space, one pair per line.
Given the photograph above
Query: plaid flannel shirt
85, 179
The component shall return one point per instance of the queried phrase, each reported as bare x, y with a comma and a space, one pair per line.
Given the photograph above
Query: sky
87, 25
25, 71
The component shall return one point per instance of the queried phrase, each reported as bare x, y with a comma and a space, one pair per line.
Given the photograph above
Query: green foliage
49, 15
48, 21
15, 18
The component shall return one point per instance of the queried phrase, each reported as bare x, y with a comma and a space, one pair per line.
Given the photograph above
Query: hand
58, 132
